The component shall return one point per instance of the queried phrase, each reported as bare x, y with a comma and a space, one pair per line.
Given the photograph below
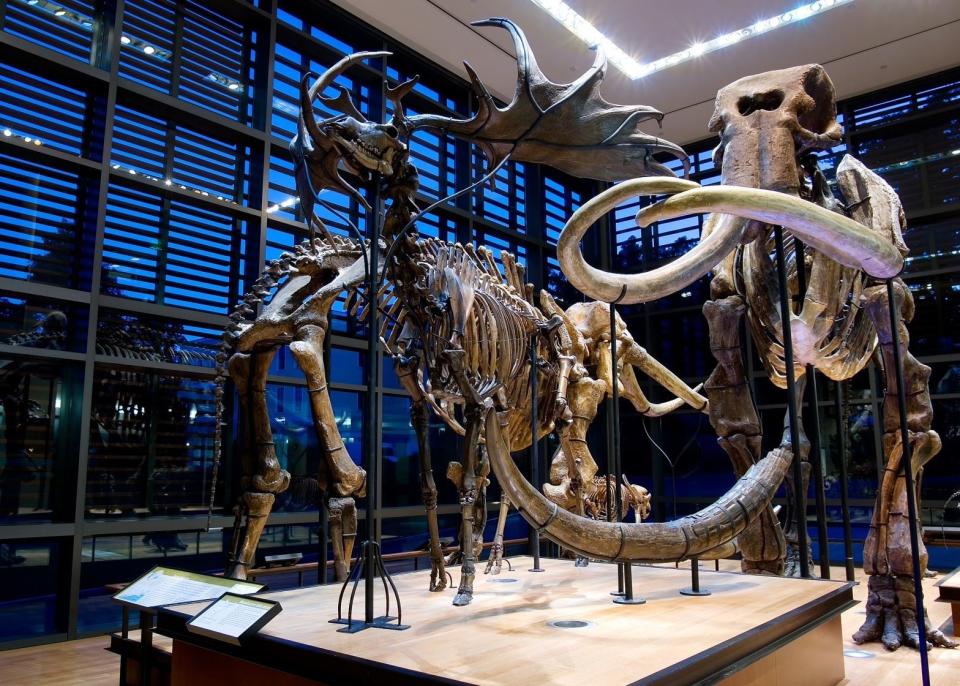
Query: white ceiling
865, 45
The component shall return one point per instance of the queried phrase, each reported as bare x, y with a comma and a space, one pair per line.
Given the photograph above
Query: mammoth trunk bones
770, 124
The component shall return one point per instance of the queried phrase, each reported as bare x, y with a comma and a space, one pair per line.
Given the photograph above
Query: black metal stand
905, 464
534, 449
369, 555
370, 565
798, 495
624, 595
823, 542
324, 536
840, 408
694, 589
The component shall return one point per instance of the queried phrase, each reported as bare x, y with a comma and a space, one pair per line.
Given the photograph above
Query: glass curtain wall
144, 181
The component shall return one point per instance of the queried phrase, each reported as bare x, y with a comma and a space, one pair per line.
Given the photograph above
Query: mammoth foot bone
892, 616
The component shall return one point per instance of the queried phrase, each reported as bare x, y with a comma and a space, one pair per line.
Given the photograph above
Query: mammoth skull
766, 121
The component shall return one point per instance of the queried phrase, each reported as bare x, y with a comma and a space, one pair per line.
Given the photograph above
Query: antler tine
343, 103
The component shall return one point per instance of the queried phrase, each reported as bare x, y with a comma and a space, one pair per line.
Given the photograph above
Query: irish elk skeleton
457, 322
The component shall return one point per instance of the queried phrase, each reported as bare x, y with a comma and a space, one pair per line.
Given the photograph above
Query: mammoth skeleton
771, 126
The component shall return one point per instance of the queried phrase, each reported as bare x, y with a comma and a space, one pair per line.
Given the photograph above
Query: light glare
634, 69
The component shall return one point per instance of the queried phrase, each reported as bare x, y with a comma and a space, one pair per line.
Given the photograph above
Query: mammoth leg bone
406, 370
734, 418
891, 603
263, 476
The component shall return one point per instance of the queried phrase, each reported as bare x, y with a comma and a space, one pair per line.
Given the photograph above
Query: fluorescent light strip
634, 69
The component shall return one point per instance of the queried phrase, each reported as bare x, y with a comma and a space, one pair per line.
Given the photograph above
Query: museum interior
442, 341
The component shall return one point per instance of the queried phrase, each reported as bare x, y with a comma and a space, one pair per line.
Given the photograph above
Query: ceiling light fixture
635, 69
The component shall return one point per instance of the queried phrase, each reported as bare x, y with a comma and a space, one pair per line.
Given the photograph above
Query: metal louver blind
211, 63
179, 257
505, 203
559, 202
146, 55
41, 109
65, 26
39, 231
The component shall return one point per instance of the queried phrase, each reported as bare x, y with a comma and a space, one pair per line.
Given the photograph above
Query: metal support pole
373, 420
840, 406
906, 458
534, 449
370, 564
324, 538
823, 541
798, 494
694, 589
625, 569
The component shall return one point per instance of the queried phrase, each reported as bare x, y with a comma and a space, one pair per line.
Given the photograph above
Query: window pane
38, 427
151, 444
30, 602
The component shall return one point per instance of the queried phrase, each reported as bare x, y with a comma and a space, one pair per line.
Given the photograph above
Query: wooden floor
86, 662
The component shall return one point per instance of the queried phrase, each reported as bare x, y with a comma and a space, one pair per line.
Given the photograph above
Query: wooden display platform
949, 587
752, 630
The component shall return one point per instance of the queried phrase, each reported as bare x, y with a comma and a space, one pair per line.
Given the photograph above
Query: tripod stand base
624, 600
690, 591
357, 625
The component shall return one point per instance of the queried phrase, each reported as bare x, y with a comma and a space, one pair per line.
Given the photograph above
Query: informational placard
232, 618
165, 586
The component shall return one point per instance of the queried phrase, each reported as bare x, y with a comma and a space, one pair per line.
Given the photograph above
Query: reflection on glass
135, 336
40, 400
295, 440
151, 444
29, 604
34, 322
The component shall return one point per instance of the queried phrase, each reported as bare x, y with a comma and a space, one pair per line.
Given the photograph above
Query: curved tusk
657, 283
654, 541
836, 236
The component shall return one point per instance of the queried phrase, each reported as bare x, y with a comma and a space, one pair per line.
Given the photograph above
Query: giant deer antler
569, 127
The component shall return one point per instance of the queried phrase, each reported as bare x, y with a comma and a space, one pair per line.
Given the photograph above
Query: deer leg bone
406, 369
266, 478
495, 561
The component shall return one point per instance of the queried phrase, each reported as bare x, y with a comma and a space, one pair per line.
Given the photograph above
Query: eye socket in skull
365, 146
770, 100
783, 113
